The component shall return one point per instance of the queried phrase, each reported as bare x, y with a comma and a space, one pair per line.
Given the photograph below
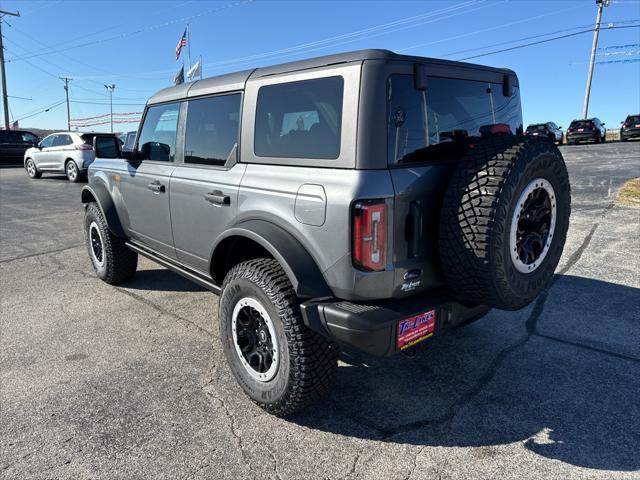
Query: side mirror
106, 146
560, 128
603, 124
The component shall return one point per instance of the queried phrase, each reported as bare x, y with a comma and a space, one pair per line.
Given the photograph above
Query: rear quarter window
300, 119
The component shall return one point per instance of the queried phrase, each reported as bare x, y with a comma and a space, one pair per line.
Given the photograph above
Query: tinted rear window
533, 128
432, 124
581, 124
300, 119
634, 119
10, 137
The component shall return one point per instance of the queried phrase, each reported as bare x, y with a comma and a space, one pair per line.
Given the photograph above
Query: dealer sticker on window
415, 329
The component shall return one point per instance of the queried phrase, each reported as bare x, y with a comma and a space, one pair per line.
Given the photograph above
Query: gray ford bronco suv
366, 200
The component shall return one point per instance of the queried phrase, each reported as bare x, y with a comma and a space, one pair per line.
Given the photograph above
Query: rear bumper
635, 133
579, 137
373, 326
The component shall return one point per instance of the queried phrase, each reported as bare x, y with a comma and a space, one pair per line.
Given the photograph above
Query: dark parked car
13, 144
128, 139
549, 130
630, 128
587, 130
366, 199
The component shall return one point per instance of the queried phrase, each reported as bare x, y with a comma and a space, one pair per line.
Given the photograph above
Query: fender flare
305, 276
99, 193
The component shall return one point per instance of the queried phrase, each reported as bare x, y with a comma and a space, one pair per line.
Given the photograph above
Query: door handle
156, 187
218, 198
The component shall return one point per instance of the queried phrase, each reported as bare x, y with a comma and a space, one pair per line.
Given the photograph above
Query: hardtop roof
237, 80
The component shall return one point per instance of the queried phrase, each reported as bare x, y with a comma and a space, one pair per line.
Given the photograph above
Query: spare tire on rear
504, 220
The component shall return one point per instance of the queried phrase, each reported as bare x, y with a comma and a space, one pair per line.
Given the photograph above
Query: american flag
181, 43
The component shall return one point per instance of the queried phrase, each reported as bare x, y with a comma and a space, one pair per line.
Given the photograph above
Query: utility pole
5, 99
596, 31
66, 81
110, 89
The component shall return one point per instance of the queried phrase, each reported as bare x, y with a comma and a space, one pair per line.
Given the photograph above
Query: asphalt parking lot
130, 382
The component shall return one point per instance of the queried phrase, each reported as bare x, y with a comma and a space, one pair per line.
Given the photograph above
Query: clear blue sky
132, 44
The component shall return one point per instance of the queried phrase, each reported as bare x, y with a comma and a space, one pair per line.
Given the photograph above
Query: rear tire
279, 363
32, 170
504, 221
111, 259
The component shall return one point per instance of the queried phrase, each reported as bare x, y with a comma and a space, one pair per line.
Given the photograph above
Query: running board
174, 267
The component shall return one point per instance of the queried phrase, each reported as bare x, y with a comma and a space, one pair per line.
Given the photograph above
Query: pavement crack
48, 252
164, 311
232, 428
588, 347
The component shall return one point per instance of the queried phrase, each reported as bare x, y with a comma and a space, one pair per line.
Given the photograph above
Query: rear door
146, 187
204, 187
427, 133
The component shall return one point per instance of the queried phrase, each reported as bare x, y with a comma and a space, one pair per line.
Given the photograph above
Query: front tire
32, 170
278, 362
111, 259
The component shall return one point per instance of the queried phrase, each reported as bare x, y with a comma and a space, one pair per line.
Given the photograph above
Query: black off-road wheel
111, 259
504, 221
279, 363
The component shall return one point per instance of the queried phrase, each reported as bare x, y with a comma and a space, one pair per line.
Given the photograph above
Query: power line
484, 30
543, 41
41, 52
55, 105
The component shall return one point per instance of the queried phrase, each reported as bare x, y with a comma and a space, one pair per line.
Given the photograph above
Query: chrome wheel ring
31, 168
254, 339
72, 171
96, 245
532, 225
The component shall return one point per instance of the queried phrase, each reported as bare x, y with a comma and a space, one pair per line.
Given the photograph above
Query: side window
212, 129
62, 140
157, 139
433, 124
300, 119
48, 141
29, 137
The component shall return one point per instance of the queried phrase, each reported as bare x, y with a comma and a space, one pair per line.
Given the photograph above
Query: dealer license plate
415, 329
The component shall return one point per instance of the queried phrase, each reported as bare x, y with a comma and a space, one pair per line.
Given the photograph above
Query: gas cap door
311, 204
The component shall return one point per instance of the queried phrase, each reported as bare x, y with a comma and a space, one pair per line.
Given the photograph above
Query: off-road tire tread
475, 214
313, 358
122, 262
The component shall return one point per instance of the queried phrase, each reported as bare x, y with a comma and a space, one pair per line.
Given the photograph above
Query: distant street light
110, 89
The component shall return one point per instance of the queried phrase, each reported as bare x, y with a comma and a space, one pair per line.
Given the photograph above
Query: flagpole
200, 67
189, 45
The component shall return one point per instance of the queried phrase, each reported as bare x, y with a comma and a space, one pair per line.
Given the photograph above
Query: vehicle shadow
161, 280
562, 376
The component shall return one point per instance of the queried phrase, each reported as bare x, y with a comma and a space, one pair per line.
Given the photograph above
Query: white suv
68, 152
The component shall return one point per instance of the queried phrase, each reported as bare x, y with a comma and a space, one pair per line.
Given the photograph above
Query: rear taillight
369, 233
84, 146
